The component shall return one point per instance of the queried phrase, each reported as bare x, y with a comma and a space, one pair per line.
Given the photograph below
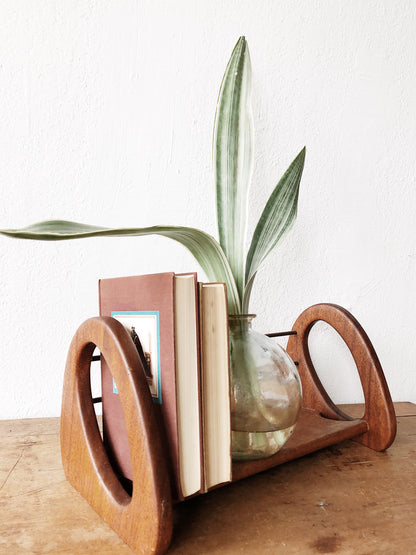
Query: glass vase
266, 392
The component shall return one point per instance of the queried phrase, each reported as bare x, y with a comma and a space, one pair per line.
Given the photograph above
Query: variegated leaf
277, 217
205, 248
233, 157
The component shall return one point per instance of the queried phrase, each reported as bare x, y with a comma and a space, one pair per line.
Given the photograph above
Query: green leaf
205, 248
277, 217
233, 157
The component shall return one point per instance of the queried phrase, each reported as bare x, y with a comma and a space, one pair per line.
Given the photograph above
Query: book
160, 311
215, 372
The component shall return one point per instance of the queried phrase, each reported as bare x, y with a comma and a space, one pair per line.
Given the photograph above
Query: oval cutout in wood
101, 379
336, 369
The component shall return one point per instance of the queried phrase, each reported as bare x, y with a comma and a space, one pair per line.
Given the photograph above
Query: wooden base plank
312, 432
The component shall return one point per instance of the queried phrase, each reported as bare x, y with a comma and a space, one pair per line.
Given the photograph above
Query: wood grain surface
143, 520
379, 412
343, 499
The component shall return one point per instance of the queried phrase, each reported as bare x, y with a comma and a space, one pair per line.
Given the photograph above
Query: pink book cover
145, 306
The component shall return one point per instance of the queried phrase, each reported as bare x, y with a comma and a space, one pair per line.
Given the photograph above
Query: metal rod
281, 333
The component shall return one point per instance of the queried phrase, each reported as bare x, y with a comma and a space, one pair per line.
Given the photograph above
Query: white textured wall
106, 113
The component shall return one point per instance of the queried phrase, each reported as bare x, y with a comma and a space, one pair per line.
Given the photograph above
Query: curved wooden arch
379, 411
144, 520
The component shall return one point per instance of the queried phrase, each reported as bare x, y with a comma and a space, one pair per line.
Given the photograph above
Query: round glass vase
266, 392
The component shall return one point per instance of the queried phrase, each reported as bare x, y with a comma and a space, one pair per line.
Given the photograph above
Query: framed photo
143, 327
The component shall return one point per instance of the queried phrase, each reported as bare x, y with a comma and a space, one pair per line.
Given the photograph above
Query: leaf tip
241, 45
302, 154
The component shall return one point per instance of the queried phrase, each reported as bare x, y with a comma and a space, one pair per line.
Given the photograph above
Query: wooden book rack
144, 519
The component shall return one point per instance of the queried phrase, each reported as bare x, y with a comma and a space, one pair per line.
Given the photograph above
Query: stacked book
180, 329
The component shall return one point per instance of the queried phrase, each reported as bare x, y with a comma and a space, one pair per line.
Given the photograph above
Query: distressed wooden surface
342, 499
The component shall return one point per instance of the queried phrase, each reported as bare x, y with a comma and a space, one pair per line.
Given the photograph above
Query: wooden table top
343, 499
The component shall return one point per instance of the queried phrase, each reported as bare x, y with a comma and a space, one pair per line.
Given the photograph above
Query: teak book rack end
144, 519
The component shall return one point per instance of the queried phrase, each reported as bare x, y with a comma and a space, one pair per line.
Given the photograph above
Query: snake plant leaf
205, 248
277, 217
233, 157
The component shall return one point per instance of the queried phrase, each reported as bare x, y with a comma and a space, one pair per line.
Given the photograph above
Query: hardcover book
215, 372
160, 311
